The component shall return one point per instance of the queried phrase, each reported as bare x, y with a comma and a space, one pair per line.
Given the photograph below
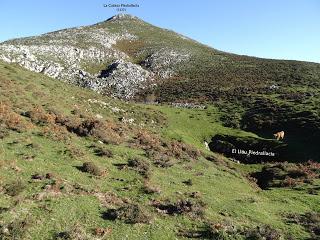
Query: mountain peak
122, 16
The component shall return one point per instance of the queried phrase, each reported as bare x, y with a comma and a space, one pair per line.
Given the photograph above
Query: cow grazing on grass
279, 135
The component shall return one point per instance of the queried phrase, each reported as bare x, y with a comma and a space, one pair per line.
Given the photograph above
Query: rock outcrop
88, 57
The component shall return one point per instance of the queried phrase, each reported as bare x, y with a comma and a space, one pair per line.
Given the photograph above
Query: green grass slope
258, 95
262, 96
73, 166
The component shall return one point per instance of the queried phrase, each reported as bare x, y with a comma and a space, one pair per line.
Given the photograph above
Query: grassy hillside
262, 96
258, 95
78, 165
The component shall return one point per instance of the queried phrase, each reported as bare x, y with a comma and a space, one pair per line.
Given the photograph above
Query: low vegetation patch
142, 166
162, 160
163, 152
189, 207
104, 130
262, 232
149, 188
310, 221
286, 174
14, 188
103, 152
228, 231
11, 120
211, 230
131, 214
15, 230
102, 232
75, 232
39, 116
91, 168
188, 182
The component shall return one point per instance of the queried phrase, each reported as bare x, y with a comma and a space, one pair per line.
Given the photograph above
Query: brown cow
279, 135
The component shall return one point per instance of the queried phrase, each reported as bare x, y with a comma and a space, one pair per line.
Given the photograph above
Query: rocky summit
89, 56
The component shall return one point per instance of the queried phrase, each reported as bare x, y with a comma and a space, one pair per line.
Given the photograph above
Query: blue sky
283, 29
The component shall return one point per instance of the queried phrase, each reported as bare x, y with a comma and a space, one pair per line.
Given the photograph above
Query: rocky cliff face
71, 54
